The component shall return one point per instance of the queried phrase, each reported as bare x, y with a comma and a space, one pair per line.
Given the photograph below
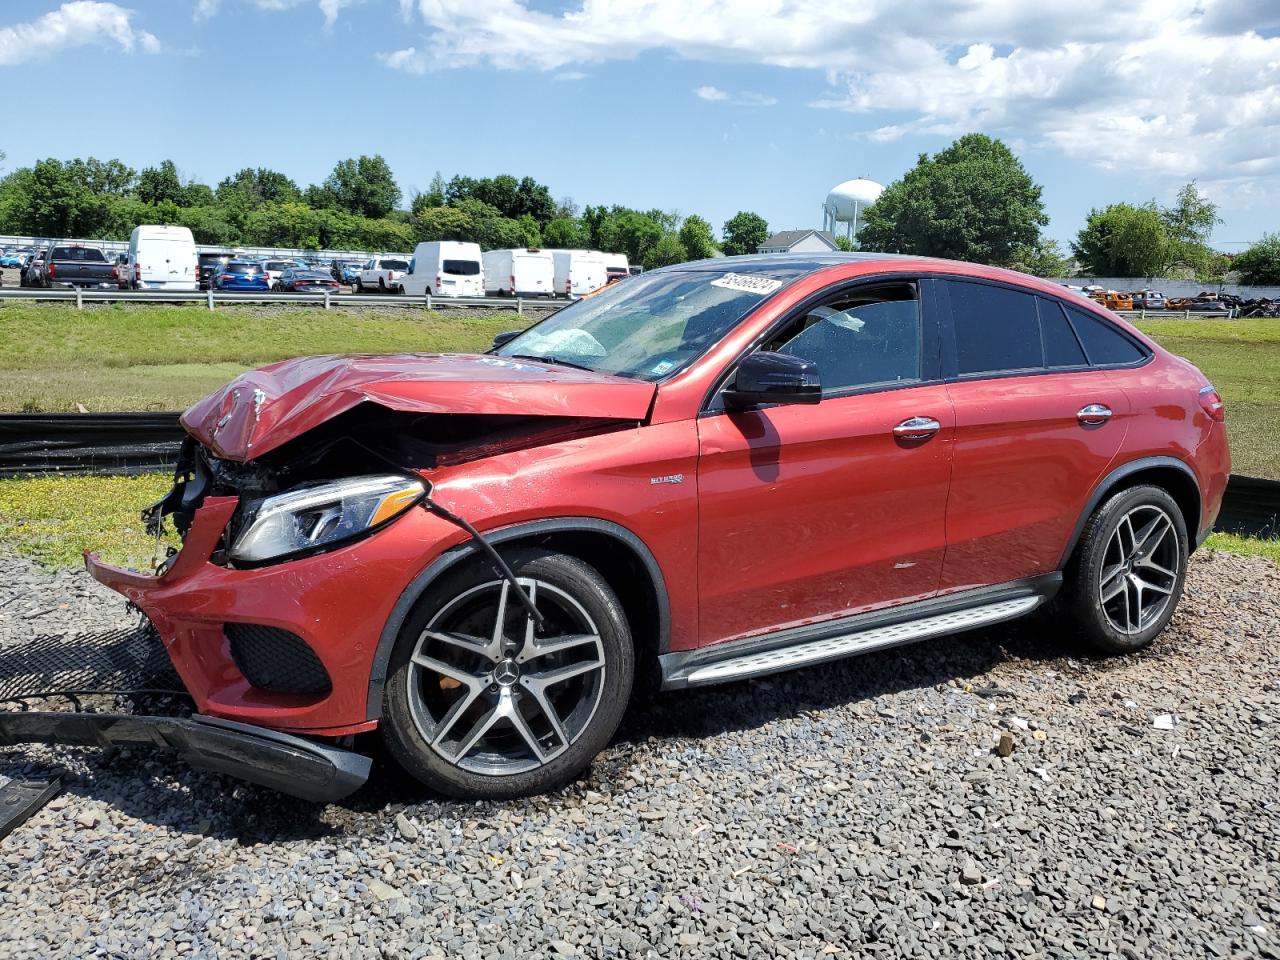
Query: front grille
130, 658
276, 660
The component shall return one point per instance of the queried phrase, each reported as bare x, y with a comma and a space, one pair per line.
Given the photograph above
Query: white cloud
743, 99
1170, 88
76, 24
570, 75
328, 8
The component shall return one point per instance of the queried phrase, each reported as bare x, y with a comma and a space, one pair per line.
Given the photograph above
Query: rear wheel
480, 703
382, 285
359, 285
1127, 574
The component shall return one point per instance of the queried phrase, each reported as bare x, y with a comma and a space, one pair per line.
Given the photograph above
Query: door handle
1094, 414
917, 428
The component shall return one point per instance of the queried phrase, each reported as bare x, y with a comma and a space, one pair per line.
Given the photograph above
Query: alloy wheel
1139, 569
494, 694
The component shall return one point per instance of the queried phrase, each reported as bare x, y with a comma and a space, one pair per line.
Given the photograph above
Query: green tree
971, 201
249, 189
1122, 240
1188, 225
637, 235
442, 223
364, 186
102, 176
743, 232
695, 235
156, 184
844, 244
197, 195
564, 233
1260, 264
665, 251
1042, 259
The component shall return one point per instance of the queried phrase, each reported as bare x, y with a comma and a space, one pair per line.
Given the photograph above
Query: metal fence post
211, 297
79, 299
520, 306
326, 298
428, 299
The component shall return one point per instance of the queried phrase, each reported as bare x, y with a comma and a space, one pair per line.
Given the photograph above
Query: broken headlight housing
316, 517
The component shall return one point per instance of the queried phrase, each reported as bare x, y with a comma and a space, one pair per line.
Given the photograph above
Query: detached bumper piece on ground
133, 664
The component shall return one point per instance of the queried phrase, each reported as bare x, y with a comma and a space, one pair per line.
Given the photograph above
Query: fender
1109, 482
464, 551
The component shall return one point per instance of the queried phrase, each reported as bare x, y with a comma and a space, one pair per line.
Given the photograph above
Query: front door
812, 512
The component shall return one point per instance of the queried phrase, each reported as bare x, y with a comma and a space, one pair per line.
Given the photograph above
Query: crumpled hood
267, 407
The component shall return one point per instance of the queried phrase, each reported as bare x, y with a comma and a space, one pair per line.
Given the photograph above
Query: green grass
1242, 358
55, 519
151, 357
1247, 546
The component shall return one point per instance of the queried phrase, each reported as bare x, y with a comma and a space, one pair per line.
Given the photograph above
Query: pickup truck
382, 274
71, 265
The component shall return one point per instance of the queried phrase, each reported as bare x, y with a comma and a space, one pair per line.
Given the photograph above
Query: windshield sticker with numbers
747, 283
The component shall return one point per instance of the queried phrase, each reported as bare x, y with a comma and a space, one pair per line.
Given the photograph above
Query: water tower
846, 202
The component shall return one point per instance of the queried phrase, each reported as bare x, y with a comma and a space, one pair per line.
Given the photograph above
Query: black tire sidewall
588, 588
1085, 596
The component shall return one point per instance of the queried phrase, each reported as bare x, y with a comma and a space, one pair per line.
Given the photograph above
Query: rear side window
1103, 343
461, 268
996, 329
1061, 348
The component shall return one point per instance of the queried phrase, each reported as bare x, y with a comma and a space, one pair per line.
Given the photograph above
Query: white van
519, 273
162, 258
578, 272
616, 266
444, 268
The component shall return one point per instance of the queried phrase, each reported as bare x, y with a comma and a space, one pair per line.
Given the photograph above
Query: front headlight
319, 516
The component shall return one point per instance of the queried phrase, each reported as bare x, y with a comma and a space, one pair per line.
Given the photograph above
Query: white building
799, 241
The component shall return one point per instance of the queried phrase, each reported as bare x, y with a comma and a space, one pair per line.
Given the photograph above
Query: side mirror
505, 337
766, 377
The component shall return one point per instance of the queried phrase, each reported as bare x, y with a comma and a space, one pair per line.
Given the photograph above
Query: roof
788, 238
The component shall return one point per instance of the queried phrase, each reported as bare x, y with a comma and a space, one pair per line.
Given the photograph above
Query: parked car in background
275, 268
162, 257
615, 266
445, 268
29, 272
306, 280
351, 273
339, 269
1148, 300
241, 275
120, 270
75, 265
11, 259
210, 263
578, 272
519, 273
382, 274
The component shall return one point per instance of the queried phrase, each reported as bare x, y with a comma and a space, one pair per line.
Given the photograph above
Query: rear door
1036, 427
808, 513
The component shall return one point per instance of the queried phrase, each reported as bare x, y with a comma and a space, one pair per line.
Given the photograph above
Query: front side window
996, 329
654, 326
861, 338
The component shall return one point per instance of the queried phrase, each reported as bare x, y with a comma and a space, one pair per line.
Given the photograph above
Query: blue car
10, 260
350, 271
241, 275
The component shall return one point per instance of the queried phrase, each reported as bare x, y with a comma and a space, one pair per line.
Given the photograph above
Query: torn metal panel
266, 408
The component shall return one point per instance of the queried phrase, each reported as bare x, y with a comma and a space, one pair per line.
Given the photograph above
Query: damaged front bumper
291, 765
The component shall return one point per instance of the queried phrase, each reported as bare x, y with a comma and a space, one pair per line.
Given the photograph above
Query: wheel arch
1168, 473
621, 557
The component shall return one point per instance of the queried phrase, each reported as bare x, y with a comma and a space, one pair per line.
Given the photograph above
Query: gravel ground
858, 808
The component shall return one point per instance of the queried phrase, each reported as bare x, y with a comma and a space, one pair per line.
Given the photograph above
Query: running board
810, 652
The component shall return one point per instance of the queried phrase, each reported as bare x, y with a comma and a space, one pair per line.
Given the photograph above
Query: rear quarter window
1102, 342
1061, 348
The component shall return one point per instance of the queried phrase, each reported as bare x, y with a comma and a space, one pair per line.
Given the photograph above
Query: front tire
1127, 575
481, 705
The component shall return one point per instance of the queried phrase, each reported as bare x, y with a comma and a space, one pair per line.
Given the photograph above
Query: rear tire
481, 706
1127, 574
359, 285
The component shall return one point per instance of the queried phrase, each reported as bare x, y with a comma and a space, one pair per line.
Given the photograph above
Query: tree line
358, 206
973, 201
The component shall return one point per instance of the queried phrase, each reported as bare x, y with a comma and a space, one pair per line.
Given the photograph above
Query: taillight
227, 276
1211, 403
49, 268
439, 282
137, 271
513, 281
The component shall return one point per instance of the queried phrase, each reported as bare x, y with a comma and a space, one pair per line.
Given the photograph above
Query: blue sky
703, 106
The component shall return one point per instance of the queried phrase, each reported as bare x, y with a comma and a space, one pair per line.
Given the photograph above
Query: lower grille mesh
276, 660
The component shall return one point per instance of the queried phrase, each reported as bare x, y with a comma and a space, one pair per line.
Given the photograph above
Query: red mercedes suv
708, 472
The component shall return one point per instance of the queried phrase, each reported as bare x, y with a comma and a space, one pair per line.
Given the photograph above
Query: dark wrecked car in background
706, 473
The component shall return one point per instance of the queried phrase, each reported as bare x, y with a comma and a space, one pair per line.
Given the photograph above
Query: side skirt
833, 640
